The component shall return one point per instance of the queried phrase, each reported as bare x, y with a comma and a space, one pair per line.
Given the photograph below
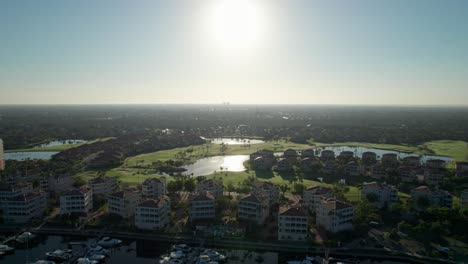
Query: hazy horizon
246, 52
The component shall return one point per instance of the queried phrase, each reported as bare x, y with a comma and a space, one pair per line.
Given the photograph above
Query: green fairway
403, 148
458, 150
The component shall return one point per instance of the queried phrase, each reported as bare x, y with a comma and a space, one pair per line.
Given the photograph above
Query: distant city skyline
239, 51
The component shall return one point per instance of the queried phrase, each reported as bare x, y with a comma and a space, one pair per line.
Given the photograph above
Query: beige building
253, 207
314, 194
384, 193
103, 185
79, 200
24, 207
202, 206
335, 216
272, 191
378, 172
153, 214
123, 202
352, 168
293, 223
154, 187
215, 187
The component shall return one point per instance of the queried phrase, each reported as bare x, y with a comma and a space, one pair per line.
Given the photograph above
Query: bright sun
235, 25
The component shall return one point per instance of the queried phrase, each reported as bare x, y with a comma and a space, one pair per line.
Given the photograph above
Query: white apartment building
154, 187
293, 223
254, 207
215, 187
60, 183
202, 206
385, 194
335, 216
272, 191
153, 214
24, 207
103, 185
123, 202
79, 200
13, 190
314, 194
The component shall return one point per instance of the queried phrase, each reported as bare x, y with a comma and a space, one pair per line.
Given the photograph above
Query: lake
44, 155
235, 141
56, 143
209, 165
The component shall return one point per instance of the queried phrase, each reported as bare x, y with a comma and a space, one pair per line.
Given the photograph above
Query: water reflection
44, 155
235, 141
209, 165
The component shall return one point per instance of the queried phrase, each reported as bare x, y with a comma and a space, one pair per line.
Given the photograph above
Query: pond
44, 155
235, 141
209, 165
56, 143
359, 150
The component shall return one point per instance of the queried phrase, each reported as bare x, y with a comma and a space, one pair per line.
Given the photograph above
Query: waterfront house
253, 207
423, 197
327, 154
314, 194
153, 214
103, 185
202, 206
268, 189
24, 207
123, 202
293, 223
334, 215
385, 194
215, 187
154, 187
77, 200
284, 165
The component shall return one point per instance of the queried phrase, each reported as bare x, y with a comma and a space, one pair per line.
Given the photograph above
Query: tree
175, 186
79, 181
372, 197
190, 185
284, 188
230, 188
364, 213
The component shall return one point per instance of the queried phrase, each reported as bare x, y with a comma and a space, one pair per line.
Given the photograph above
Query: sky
394, 52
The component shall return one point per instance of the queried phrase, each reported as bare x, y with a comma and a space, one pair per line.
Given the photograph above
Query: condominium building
314, 194
378, 172
389, 160
153, 214
60, 183
412, 161
329, 166
308, 153
352, 168
327, 155
8, 191
202, 206
215, 187
290, 154
369, 157
423, 197
433, 176
123, 202
103, 185
293, 223
461, 169
262, 159
436, 164
385, 194
334, 215
154, 187
309, 164
407, 174
284, 165
24, 207
79, 200
272, 191
253, 207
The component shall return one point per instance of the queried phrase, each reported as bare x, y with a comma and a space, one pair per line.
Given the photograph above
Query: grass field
57, 148
403, 148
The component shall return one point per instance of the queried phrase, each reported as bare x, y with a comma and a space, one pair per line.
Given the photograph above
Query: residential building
369, 157
406, 174
329, 166
310, 164
154, 187
412, 162
461, 169
290, 154
24, 207
253, 207
202, 206
389, 160
436, 164
433, 176
352, 168
103, 185
423, 194
464, 199
385, 194
123, 202
262, 159
308, 153
8, 191
153, 214
272, 191
60, 183
346, 155
215, 187
314, 194
78, 200
2, 158
378, 172
284, 165
293, 223
327, 154
334, 215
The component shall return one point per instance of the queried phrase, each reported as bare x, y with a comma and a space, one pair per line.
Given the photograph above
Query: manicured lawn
455, 149
403, 148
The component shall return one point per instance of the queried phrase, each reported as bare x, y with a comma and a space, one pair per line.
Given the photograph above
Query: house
123, 202
433, 176
461, 169
423, 197
24, 207
202, 206
284, 165
60, 183
103, 185
369, 157
308, 153
253, 207
309, 164
78, 200
270, 190
412, 162
385, 194
154, 187
406, 174
334, 215
327, 154
389, 160
8, 191
346, 155
290, 154
329, 166
378, 172
153, 214
314, 194
352, 168
293, 223
436, 164
464, 199
262, 159
215, 187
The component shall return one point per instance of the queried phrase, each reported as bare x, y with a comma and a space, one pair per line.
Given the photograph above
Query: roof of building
211, 183
435, 161
151, 180
124, 193
14, 187
58, 176
411, 158
27, 196
155, 203
424, 189
292, 211
78, 191
377, 185
319, 190
334, 204
203, 196
251, 197
101, 179
265, 185
291, 151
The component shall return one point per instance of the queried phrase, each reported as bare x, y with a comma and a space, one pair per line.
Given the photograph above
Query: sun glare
235, 25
